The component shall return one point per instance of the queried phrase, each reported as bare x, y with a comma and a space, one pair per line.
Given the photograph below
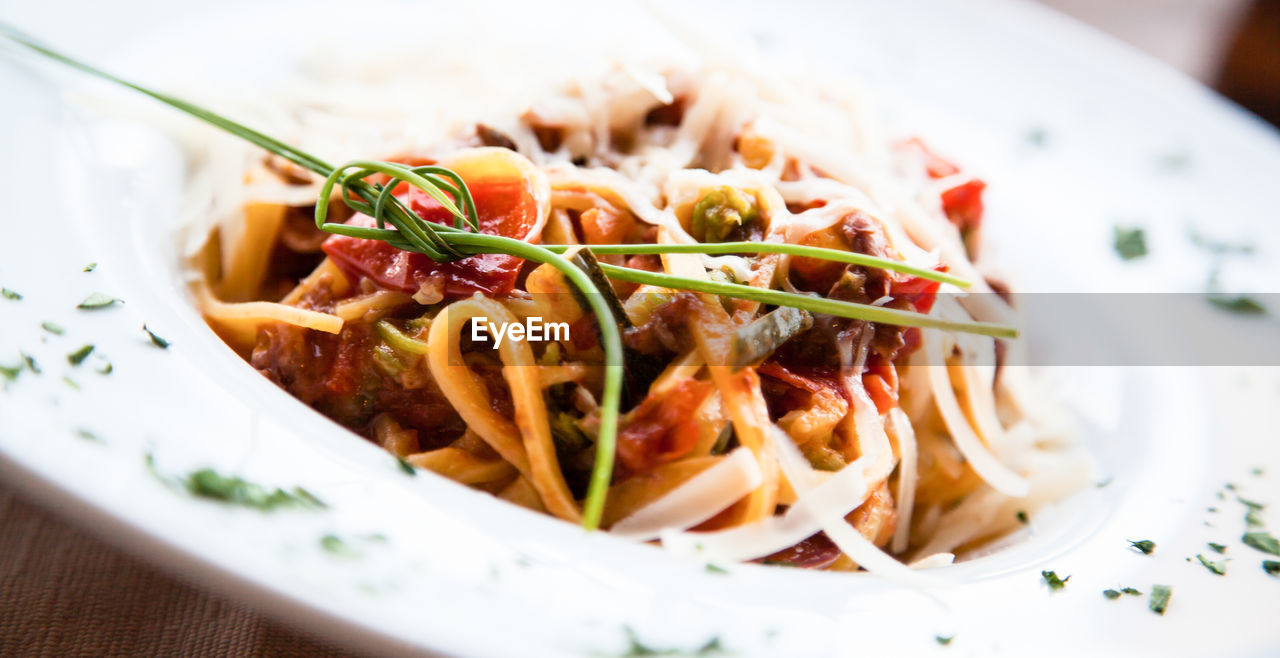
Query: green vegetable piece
754, 342
719, 212
406, 467
1218, 548
1271, 566
55, 329
10, 294
943, 640
90, 267
1111, 594
398, 340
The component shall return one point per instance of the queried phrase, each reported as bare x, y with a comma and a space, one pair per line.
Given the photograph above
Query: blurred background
1232, 46
62, 591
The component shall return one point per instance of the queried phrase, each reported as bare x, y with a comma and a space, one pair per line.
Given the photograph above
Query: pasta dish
751, 430
694, 305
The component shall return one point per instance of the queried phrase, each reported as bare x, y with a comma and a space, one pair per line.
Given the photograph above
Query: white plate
437, 567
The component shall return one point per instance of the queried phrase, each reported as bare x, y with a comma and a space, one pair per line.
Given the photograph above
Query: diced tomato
881, 381
662, 427
963, 205
921, 293
504, 207
935, 165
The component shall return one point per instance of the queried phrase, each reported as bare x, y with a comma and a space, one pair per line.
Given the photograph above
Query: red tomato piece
662, 428
504, 207
881, 381
963, 205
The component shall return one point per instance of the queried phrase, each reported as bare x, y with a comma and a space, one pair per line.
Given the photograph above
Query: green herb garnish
70, 383
90, 267
1160, 595
1218, 548
405, 466
156, 340
444, 243
98, 300
1219, 247
335, 545
636, 648
52, 328
208, 483
1219, 567
943, 640
1111, 594
1174, 160
1022, 517
1146, 546
1130, 242
106, 368
30, 362
77, 357
1131, 591
1252, 515
717, 569
1053, 581
11, 372
1271, 566
1263, 541
10, 294
1239, 304
88, 435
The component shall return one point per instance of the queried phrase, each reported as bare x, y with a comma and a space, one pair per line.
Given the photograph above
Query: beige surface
64, 593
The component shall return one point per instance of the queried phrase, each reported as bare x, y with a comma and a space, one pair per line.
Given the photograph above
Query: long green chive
822, 253
866, 312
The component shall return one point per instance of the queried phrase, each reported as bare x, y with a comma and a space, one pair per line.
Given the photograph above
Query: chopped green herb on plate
1160, 595
1130, 242
98, 300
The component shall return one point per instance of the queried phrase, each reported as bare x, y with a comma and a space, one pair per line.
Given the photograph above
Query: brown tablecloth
65, 593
